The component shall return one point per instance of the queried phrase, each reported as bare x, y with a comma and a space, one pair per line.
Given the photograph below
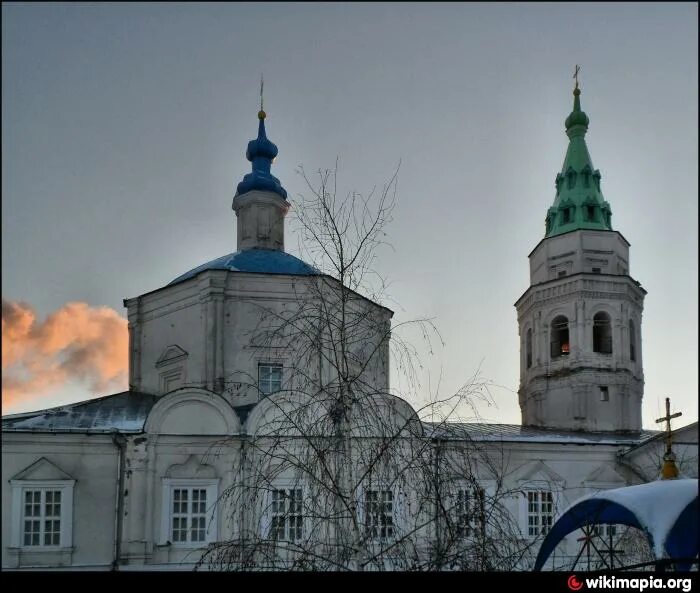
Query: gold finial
575, 76
669, 469
261, 113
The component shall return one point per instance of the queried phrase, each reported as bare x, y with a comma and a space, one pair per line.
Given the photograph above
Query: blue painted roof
261, 152
256, 261
666, 510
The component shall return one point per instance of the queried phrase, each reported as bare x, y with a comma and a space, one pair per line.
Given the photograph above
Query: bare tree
339, 472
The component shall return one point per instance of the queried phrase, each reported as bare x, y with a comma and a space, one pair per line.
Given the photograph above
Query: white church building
260, 431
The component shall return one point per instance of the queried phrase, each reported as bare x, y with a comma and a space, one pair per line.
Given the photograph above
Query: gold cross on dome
575, 76
667, 419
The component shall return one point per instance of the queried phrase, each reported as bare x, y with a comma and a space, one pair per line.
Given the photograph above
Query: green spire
579, 203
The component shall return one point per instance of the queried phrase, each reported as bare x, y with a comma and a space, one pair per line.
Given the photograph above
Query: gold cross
575, 76
667, 418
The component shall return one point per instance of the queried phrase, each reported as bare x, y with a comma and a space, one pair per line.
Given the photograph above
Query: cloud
75, 343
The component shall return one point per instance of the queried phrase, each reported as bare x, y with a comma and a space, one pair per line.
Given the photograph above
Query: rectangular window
561, 273
286, 514
604, 393
605, 531
596, 270
469, 512
540, 512
189, 515
269, 378
590, 213
189, 512
379, 514
41, 517
566, 216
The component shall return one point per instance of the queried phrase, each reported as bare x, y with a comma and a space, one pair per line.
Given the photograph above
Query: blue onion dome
260, 153
577, 117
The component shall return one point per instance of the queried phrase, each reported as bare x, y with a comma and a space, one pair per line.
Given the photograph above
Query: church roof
256, 261
126, 412
478, 431
123, 412
579, 202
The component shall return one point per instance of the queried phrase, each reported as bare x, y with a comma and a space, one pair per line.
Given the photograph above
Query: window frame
18, 490
566, 215
169, 485
362, 506
602, 339
633, 340
558, 341
540, 514
269, 514
270, 364
476, 518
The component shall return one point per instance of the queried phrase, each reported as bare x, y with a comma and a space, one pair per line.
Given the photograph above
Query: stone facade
589, 386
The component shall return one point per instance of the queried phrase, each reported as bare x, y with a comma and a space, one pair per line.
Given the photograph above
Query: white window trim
18, 488
270, 363
397, 510
538, 486
211, 533
471, 488
266, 515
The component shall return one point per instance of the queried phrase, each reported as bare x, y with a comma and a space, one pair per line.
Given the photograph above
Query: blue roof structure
255, 261
666, 510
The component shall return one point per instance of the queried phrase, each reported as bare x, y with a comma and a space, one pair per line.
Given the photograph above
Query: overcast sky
124, 130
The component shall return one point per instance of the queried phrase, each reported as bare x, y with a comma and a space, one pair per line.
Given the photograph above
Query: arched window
528, 348
602, 333
586, 177
558, 181
633, 341
567, 215
559, 337
590, 213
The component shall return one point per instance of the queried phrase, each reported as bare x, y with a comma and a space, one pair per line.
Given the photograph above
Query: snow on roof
127, 412
657, 505
123, 412
478, 431
666, 510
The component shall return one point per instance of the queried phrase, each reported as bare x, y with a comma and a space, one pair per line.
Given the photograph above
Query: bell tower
580, 319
